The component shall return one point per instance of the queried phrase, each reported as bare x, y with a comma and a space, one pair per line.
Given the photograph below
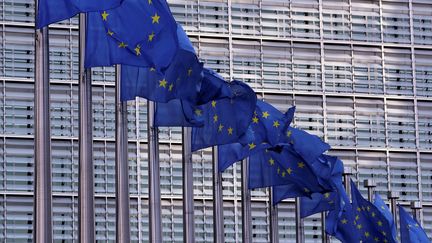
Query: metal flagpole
393, 196
346, 175
370, 185
325, 238
246, 204
155, 221
218, 217
416, 207
86, 185
299, 222
42, 223
121, 166
274, 224
188, 194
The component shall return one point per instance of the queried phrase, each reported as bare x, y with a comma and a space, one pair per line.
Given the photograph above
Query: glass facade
359, 72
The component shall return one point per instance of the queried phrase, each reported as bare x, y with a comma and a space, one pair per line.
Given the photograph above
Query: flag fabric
178, 112
340, 222
181, 80
318, 202
137, 33
410, 229
281, 165
266, 129
226, 119
302, 143
384, 209
51, 11
370, 223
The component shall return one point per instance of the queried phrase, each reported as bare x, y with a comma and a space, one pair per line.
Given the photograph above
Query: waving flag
265, 130
181, 80
410, 229
370, 223
318, 202
51, 11
225, 120
137, 33
384, 209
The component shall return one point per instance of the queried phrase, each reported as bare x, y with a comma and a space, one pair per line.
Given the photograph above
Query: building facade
358, 71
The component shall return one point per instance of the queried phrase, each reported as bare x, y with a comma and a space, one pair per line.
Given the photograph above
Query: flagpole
218, 222
299, 222
416, 207
86, 182
42, 222
274, 224
393, 196
246, 204
325, 238
121, 165
346, 175
188, 194
370, 185
155, 221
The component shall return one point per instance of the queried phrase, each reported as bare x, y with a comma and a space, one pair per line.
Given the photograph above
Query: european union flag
303, 143
281, 166
265, 130
185, 113
370, 223
410, 229
225, 120
51, 11
137, 33
384, 209
341, 222
318, 202
181, 80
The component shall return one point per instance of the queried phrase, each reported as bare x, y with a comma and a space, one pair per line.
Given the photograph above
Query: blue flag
282, 166
137, 33
384, 209
318, 202
265, 130
341, 222
370, 223
303, 143
225, 120
181, 80
51, 11
185, 113
410, 229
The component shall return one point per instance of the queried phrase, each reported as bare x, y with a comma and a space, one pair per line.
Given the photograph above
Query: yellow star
198, 112
289, 170
230, 131
359, 226
368, 208
122, 45
138, 50
220, 127
366, 234
385, 241
104, 16
373, 214
376, 239
289, 133
152, 69
150, 2
357, 217
271, 161
359, 209
251, 146
327, 195
151, 36
276, 124
384, 233
265, 114
306, 190
344, 221
283, 173
162, 83
379, 223
155, 18
301, 165
255, 119
110, 33
213, 103
190, 72
278, 170
215, 118
170, 87
416, 225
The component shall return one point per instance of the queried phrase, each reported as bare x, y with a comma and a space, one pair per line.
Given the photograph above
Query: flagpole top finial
348, 171
393, 195
416, 205
369, 183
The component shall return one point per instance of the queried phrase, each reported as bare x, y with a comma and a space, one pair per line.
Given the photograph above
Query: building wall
359, 72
